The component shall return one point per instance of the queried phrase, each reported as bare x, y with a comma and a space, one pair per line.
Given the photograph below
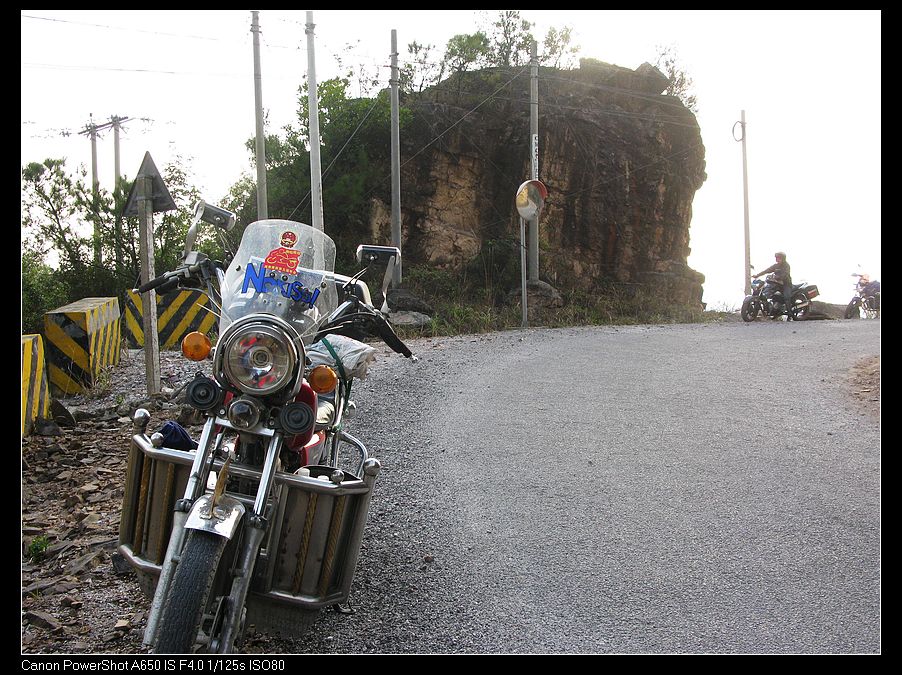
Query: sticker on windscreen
278, 274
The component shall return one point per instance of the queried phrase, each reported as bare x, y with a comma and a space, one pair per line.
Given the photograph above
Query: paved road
662, 489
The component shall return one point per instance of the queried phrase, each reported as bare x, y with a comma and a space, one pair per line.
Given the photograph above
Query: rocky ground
78, 597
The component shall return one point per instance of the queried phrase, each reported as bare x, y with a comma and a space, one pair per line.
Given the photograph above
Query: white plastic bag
355, 356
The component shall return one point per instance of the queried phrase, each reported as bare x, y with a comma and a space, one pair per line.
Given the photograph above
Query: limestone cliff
621, 161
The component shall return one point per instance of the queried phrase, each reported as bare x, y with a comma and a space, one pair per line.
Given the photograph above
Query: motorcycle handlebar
387, 333
159, 281
170, 280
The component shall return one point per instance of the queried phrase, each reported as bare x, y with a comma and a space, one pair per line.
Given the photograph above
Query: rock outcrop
622, 163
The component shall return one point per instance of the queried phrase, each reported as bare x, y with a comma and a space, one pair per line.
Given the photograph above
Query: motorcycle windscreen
282, 268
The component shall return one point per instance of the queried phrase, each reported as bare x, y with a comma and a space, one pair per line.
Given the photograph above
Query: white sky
809, 81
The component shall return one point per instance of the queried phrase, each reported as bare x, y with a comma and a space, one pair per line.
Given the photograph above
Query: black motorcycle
766, 300
866, 303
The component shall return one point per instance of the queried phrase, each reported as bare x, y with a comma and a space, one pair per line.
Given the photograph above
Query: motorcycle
766, 300
260, 521
866, 302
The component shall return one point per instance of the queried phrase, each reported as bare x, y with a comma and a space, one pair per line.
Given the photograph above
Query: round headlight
259, 359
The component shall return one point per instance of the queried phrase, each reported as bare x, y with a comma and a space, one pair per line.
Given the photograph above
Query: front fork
196, 512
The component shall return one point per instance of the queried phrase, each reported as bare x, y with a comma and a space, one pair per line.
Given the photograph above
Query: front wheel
749, 310
184, 607
852, 310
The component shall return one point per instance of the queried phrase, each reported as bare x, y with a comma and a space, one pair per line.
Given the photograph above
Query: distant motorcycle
766, 300
866, 303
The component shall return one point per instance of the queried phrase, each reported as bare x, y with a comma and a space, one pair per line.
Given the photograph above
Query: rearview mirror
214, 215
377, 257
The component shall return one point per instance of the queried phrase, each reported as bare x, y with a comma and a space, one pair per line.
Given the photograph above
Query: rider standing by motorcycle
782, 275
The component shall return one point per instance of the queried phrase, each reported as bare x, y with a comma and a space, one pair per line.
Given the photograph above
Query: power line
127, 28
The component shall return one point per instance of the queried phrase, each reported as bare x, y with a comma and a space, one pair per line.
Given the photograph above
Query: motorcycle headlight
259, 359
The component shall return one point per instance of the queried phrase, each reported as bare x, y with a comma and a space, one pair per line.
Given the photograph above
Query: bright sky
809, 81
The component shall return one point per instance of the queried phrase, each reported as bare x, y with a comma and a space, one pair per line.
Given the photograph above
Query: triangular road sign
162, 200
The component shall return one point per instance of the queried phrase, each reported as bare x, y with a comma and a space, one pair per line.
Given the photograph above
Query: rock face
621, 161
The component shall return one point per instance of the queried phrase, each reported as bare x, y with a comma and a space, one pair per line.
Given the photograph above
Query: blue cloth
175, 437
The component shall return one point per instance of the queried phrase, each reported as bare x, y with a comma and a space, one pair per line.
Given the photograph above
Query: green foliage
680, 83
467, 51
43, 290
75, 244
510, 38
37, 549
464, 305
557, 52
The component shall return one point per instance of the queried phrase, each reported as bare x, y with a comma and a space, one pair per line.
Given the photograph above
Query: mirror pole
525, 321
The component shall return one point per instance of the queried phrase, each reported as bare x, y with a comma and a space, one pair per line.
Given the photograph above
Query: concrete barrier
81, 339
178, 313
35, 384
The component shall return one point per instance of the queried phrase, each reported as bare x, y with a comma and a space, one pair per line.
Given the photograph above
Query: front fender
221, 519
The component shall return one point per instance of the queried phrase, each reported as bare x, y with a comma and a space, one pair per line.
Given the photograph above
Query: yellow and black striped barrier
35, 386
82, 339
178, 313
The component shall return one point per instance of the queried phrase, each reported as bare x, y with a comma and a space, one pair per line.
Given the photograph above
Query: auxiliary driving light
244, 413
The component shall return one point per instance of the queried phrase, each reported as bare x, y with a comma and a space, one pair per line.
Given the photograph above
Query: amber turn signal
196, 346
322, 379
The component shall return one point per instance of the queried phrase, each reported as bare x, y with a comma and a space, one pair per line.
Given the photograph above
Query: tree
59, 209
465, 51
680, 83
420, 72
510, 39
556, 49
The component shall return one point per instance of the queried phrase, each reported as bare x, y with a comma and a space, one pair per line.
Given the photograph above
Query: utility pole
534, 152
745, 202
91, 131
316, 172
116, 122
262, 208
395, 159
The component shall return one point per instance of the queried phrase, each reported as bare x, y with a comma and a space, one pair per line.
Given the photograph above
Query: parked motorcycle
261, 523
866, 303
766, 300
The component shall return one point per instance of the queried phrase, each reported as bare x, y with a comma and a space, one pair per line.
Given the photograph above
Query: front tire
749, 310
183, 609
852, 310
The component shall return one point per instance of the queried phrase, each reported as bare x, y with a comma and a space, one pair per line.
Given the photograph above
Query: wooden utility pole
149, 301
148, 195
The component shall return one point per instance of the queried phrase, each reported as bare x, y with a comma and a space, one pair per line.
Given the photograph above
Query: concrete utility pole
534, 172
316, 172
395, 159
91, 131
262, 208
116, 122
745, 201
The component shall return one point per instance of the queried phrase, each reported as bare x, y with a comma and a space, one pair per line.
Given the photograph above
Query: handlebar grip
168, 286
153, 283
387, 333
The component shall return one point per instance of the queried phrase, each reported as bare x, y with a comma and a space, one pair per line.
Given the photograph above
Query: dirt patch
865, 385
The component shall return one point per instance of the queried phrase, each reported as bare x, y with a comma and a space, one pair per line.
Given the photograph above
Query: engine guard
221, 519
